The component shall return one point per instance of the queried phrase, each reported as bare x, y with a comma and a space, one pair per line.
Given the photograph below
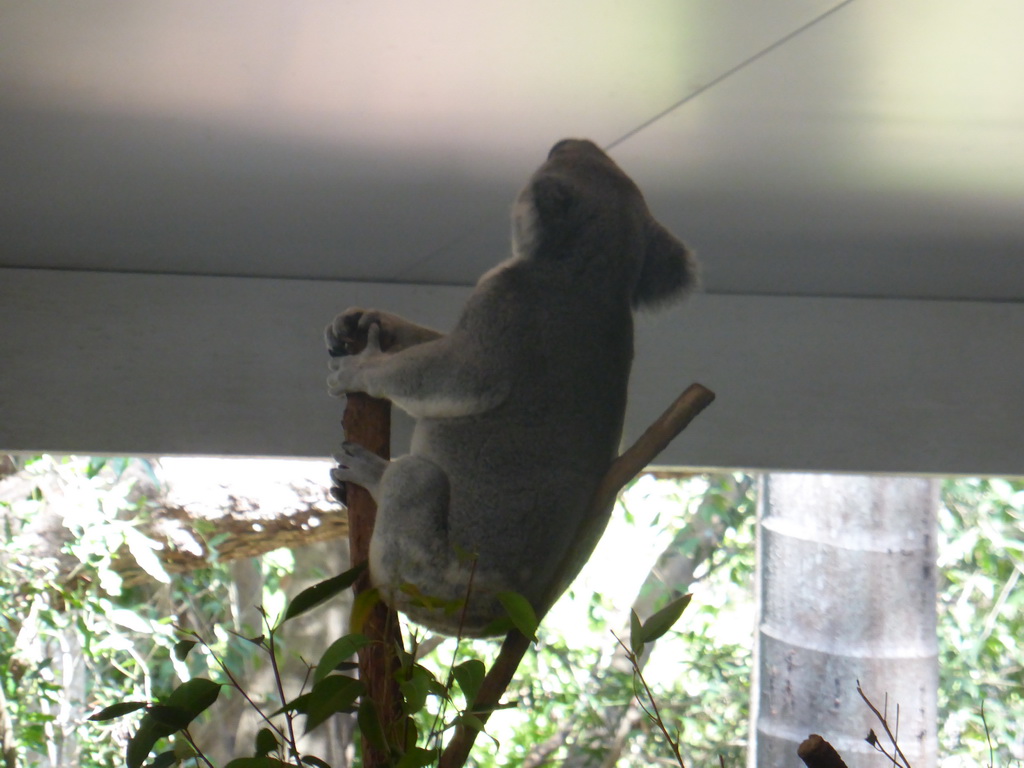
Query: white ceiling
866, 148
850, 173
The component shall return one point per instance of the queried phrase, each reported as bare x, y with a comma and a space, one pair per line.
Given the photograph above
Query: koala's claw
338, 344
349, 451
358, 465
347, 366
339, 488
345, 335
339, 493
342, 334
373, 337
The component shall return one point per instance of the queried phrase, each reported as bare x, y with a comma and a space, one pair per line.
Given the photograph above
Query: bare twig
289, 717
885, 724
653, 714
988, 737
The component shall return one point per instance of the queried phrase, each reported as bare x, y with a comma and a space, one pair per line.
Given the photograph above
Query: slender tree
847, 581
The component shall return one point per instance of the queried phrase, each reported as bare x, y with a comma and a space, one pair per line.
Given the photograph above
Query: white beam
157, 364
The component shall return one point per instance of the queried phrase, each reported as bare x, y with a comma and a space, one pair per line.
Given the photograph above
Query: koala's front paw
347, 371
342, 379
346, 334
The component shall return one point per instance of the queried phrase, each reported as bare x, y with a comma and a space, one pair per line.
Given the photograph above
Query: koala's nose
563, 144
575, 145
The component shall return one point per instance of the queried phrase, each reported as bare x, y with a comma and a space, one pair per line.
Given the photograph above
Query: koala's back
522, 474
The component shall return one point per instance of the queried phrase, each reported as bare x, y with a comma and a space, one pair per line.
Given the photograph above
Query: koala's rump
520, 483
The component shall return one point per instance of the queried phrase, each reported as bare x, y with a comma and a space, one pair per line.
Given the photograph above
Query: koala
519, 409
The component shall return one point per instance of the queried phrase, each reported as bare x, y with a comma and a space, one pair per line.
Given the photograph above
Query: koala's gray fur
519, 409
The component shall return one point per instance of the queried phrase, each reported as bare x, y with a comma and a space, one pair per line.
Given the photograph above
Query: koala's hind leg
410, 543
360, 466
410, 538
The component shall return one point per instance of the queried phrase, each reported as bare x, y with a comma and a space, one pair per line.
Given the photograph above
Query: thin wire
727, 74
440, 251
435, 253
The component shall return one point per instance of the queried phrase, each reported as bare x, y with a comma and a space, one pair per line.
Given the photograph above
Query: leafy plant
80, 636
640, 634
981, 620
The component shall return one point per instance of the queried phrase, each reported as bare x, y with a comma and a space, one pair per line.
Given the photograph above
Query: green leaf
94, 466
130, 620
636, 634
172, 719
464, 556
499, 626
469, 675
662, 621
164, 759
472, 722
257, 762
340, 650
417, 597
370, 726
143, 741
117, 710
417, 686
309, 598
143, 549
521, 612
412, 735
418, 757
299, 704
182, 648
185, 703
476, 724
195, 696
266, 742
362, 606
331, 695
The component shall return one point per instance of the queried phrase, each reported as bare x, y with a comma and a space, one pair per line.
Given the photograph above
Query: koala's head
579, 208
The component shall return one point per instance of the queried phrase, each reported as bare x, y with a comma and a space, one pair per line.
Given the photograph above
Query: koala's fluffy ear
553, 199
546, 234
669, 269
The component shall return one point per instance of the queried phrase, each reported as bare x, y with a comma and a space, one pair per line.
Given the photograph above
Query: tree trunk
367, 421
847, 593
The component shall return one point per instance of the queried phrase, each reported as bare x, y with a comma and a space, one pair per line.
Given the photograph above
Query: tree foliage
981, 621
79, 638
77, 635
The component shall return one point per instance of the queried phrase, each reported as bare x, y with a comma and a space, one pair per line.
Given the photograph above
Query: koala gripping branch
652, 442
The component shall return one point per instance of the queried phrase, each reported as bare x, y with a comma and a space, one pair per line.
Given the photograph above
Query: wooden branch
652, 442
673, 421
239, 534
367, 421
818, 753
240, 525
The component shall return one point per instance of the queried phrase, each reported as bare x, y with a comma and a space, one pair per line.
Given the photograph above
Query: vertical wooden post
367, 421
